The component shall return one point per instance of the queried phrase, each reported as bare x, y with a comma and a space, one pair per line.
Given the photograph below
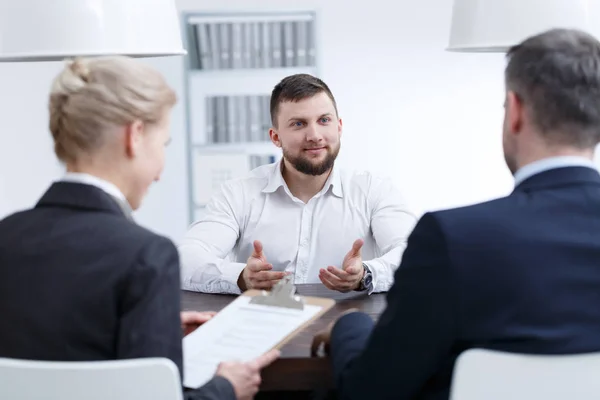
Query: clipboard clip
283, 294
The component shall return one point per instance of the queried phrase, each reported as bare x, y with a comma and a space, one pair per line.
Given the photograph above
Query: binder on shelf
266, 45
311, 51
204, 50
266, 113
243, 128
209, 118
301, 43
257, 52
254, 117
247, 49
276, 44
251, 325
224, 36
289, 58
237, 43
232, 115
213, 37
221, 120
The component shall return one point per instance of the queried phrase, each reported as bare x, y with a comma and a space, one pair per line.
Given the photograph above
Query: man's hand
349, 277
245, 377
324, 337
191, 320
257, 274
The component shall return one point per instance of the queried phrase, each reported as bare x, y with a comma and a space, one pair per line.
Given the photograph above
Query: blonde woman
79, 280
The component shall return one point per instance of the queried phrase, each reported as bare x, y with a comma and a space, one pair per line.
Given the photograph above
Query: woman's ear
134, 134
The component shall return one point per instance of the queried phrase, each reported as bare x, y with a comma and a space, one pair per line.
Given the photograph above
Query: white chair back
492, 375
146, 378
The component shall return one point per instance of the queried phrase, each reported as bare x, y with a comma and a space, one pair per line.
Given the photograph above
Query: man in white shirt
302, 216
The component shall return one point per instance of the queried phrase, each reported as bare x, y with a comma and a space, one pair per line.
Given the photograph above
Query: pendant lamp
496, 25
49, 30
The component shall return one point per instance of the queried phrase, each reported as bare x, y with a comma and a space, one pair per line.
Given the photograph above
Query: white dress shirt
297, 237
88, 179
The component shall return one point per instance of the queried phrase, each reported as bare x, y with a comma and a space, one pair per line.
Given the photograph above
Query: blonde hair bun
93, 95
72, 78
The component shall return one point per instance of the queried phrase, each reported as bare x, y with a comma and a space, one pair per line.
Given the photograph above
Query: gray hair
556, 74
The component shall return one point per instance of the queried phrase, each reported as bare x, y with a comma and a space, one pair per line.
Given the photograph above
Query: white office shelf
251, 17
257, 148
234, 60
241, 81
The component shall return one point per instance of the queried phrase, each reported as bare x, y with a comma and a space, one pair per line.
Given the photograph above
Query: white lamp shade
496, 25
47, 30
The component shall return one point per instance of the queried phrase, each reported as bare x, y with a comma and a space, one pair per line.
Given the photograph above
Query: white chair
492, 375
146, 378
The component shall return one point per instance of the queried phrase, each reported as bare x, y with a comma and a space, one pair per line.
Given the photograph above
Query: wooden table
296, 370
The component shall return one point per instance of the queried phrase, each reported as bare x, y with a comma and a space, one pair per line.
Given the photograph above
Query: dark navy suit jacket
517, 274
81, 282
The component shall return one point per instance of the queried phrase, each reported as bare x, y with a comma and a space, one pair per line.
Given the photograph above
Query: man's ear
134, 133
515, 112
275, 137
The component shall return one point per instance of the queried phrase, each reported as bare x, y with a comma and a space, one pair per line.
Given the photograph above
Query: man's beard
304, 165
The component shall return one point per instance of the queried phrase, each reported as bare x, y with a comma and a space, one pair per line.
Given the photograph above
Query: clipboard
251, 325
283, 295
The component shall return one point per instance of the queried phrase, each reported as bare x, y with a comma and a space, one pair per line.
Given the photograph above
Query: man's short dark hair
556, 74
295, 88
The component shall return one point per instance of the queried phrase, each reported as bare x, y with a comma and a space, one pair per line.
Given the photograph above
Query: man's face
308, 132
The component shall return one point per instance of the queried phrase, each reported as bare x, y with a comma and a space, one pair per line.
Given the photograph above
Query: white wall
26, 161
428, 118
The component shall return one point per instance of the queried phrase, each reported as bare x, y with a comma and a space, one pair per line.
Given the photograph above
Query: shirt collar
276, 181
549, 163
88, 179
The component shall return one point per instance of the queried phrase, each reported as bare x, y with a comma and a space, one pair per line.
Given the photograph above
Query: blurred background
429, 119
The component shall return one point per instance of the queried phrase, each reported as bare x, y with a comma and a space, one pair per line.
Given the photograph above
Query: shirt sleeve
208, 242
391, 224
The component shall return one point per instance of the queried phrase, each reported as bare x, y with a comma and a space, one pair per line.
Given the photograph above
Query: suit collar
549, 163
80, 196
560, 177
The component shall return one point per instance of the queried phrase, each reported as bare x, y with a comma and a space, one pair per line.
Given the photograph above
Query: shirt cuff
369, 265
381, 283
230, 272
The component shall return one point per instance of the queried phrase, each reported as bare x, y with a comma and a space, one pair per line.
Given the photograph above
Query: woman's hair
92, 95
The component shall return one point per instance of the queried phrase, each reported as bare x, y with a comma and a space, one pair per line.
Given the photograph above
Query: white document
240, 332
